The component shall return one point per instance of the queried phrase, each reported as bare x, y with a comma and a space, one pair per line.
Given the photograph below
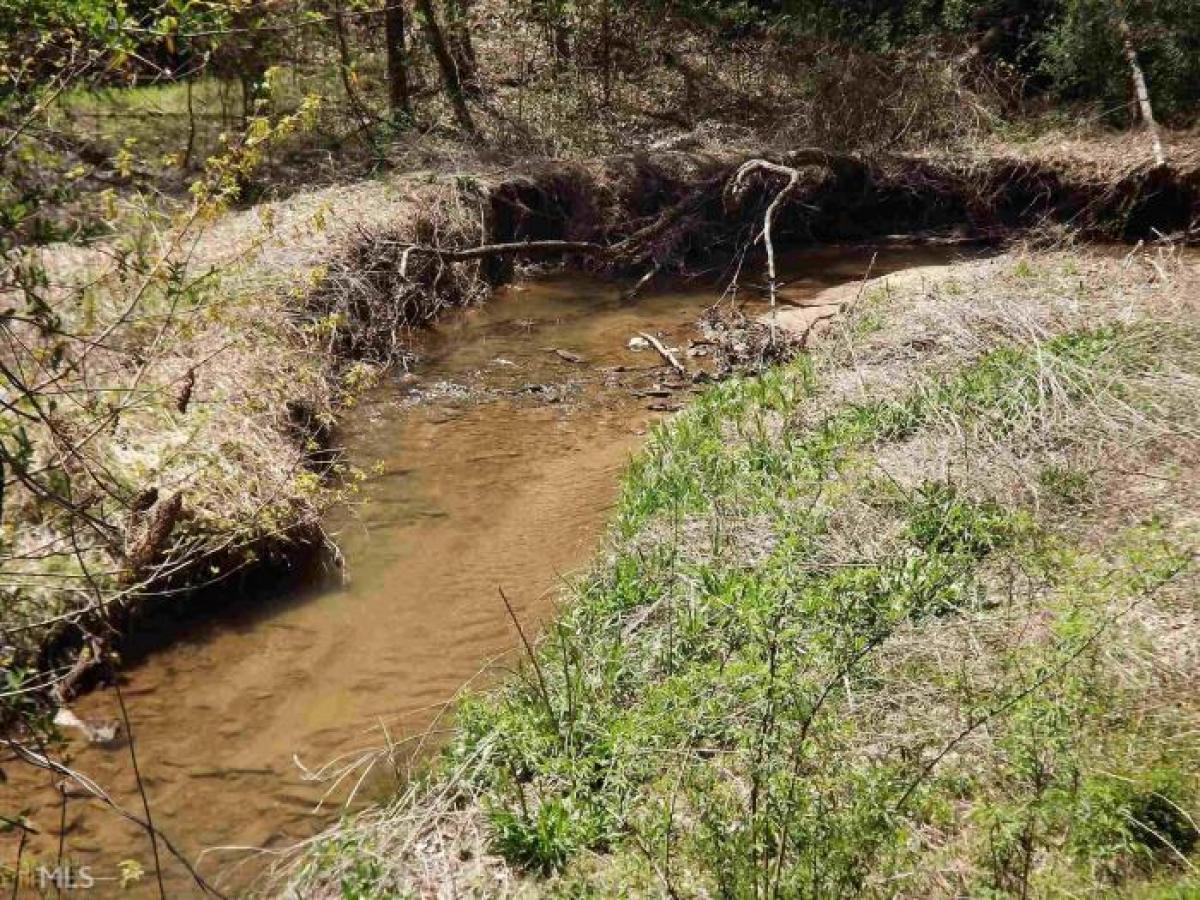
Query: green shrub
1085, 60
539, 841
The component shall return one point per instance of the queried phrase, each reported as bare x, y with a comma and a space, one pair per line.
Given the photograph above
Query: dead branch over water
168, 456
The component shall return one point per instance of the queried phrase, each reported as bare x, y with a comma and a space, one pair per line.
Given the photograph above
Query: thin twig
43, 761
532, 658
162, 892
62, 830
16, 887
666, 354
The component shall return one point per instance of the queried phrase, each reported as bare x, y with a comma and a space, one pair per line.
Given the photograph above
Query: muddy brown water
495, 464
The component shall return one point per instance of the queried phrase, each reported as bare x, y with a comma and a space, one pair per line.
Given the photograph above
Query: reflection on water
498, 464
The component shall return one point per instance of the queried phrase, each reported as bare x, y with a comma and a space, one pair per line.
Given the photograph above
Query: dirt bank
669, 212
337, 291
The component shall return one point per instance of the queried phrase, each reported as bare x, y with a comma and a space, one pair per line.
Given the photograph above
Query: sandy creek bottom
495, 464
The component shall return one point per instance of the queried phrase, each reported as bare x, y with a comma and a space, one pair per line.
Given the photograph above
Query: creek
494, 464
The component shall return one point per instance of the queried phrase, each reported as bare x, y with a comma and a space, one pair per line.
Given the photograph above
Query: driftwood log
661, 349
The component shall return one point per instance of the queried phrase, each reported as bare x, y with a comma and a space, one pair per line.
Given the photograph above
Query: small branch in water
666, 354
628, 295
567, 355
88, 659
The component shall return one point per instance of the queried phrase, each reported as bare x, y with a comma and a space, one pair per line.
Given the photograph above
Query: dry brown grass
1099, 154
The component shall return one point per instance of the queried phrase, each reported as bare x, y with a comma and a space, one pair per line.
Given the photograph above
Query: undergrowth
876, 640
164, 431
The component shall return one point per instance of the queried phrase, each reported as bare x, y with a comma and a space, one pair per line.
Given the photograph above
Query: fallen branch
86, 661
588, 248
628, 295
662, 350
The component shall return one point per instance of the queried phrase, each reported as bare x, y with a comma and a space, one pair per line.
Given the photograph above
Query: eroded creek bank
495, 464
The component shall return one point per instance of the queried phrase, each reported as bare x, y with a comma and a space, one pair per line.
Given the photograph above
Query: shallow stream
495, 464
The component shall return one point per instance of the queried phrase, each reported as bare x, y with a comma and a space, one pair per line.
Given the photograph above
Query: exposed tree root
640, 215
738, 184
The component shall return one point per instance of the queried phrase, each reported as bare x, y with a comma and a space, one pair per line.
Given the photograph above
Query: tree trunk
253, 75
461, 48
1140, 89
346, 66
454, 87
191, 138
551, 14
397, 59
250, 60
606, 50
